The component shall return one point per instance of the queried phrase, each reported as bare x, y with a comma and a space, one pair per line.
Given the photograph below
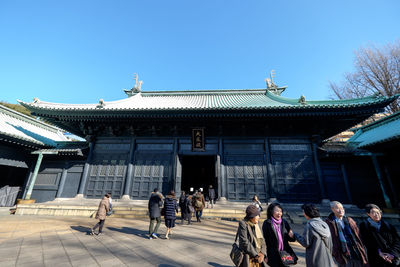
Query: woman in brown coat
101, 214
251, 240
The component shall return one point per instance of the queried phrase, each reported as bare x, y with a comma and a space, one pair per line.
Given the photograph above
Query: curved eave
21, 141
233, 112
385, 140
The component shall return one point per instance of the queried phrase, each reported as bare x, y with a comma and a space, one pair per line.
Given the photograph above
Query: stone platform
225, 210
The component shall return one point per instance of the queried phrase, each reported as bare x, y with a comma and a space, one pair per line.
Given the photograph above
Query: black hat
252, 211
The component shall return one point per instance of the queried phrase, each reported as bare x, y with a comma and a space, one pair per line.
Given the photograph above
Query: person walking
170, 210
380, 238
211, 196
101, 214
276, 233
182, 206
256, 202
251, 240
348, 249
198, 204
316, 239
155, 204
188, 208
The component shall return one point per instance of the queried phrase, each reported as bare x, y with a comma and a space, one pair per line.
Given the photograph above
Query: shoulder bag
236, 253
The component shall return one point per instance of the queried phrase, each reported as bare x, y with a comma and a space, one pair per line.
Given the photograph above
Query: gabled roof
16, 127
199, 101
381, 131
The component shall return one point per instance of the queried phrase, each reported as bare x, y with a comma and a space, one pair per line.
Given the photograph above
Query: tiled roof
21, 127
251, 99
380, 131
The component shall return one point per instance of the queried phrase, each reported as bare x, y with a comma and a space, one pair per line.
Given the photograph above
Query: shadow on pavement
81, 229
128, 230
217, 264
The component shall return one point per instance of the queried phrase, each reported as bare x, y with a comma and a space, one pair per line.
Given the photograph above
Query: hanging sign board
198, 139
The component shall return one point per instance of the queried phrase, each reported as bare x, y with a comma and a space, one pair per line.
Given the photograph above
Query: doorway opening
198, 172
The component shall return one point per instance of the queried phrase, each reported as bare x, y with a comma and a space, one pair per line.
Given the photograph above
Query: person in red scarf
277, 234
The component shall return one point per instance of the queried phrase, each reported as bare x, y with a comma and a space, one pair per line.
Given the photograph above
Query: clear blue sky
78, 51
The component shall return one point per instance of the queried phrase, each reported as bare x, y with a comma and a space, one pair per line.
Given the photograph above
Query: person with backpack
101, 214
198, 203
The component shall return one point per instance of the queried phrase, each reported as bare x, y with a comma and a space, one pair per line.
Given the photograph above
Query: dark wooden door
151, 170
246, 176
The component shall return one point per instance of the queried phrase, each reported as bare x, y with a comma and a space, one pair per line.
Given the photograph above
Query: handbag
110, 211
286, 258
236, 253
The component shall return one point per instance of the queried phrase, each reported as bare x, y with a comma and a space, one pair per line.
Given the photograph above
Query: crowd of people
335, 241
189, 203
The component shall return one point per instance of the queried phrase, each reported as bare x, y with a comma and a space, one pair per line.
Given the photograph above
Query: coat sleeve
244, 242
288, 228
305, 239
395, 247
176, 206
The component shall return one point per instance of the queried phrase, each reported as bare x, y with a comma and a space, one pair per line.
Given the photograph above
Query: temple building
243, 142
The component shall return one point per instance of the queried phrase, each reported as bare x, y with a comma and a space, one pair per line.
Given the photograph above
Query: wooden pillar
34, 176
380, 180
389, 179
177, 169
222, 192
318, 171
85, 173
62, 180
128, 178
346, 183
270, 171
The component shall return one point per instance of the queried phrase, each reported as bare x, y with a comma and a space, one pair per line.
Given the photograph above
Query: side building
243, 142
24, 142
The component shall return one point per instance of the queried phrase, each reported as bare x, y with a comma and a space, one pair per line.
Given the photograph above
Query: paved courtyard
63, 241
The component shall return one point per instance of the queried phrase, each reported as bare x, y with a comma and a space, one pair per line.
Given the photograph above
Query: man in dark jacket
348, 249
182, 205
155, 204
211, 196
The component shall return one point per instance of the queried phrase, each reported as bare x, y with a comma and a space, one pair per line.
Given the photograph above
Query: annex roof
198, 101
383, 130
16, 126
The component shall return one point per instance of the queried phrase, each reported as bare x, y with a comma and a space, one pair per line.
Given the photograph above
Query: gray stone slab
123, 244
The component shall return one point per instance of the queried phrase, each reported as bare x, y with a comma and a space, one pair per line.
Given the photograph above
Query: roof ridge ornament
302, 100
136, 88
271, 86
36, 100
101, 103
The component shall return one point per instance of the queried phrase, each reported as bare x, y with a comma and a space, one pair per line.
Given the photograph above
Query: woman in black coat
170, 209
277, 234
380, 238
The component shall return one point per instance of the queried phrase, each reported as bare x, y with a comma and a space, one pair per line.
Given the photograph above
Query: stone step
138, 209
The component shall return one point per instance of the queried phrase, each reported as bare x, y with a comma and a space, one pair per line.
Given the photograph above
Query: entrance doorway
198, 172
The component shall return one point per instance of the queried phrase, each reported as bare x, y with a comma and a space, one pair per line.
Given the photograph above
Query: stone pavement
63, 241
